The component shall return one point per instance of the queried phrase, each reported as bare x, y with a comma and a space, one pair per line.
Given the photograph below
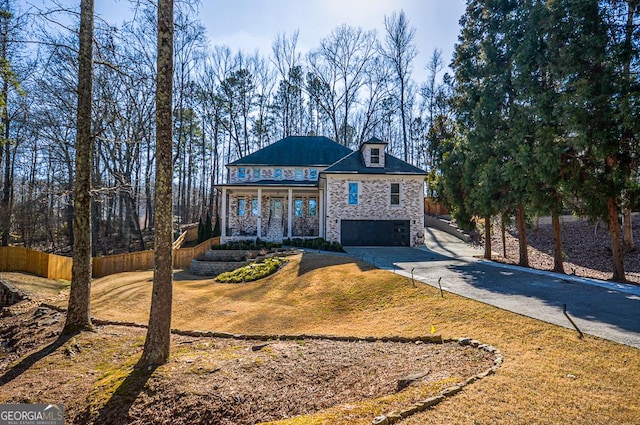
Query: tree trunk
158, 340
487, 237
522, 237
4, 98
627, 230
503, 234
616, 247
78, 313
558, 260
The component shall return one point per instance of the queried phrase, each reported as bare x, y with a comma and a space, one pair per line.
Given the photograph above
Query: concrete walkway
605, 309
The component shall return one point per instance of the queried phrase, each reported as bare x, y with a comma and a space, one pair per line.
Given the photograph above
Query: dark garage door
375, 232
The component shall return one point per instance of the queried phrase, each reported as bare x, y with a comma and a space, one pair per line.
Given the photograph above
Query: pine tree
79, 312
158, 340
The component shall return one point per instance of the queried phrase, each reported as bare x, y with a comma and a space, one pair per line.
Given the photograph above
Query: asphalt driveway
604, 309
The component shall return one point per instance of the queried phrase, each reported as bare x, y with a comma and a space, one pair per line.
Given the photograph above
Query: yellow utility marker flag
433, 329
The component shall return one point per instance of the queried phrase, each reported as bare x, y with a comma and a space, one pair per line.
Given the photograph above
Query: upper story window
313, 207
242, 173
256, 174
313, 174
375, 155
353, 193
395, 193
299, 175
277, 174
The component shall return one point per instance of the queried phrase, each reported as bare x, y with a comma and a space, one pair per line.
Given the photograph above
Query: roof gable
297, 151
354, 163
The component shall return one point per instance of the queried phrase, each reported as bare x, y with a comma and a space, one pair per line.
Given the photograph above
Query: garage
375, 233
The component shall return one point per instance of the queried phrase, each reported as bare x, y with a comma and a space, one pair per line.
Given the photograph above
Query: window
299, 174
242, 173
241, 207
297, 207
375, 155
256, 174
353, 193
277, 174
395, 193
313, 207
254, 207
313, 174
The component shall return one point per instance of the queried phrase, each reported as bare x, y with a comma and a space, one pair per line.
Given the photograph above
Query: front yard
548, 376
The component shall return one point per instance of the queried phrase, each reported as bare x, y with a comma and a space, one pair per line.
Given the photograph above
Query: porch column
290, 213
321, 214
259, 213
223, 214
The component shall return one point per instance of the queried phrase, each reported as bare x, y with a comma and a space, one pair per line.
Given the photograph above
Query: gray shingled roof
297, 151
354, 163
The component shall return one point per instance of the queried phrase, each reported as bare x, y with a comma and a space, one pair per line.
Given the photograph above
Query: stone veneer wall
305, 225
268, 173
248, 225
374, 202
214, 268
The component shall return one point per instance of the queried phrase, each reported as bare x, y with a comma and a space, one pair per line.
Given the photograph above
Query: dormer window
375, 155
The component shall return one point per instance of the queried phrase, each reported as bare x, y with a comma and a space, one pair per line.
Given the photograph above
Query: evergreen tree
158, 340
589, 101
79, 312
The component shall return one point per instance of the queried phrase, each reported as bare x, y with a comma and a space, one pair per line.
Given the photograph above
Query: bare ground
586, 246
211, 380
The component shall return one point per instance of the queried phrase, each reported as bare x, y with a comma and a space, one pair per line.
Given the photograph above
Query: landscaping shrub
248, 245
317, 243
253, 271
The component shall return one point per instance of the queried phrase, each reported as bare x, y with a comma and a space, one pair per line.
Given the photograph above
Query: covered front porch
271, 213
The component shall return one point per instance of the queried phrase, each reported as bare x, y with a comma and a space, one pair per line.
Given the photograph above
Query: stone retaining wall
214, 268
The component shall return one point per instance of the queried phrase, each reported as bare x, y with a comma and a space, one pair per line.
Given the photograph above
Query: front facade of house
308, 187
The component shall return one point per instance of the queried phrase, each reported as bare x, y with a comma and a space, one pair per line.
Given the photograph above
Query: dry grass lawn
549, 375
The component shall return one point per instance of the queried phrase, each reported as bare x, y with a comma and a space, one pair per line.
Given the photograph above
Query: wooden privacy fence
21, 259
431, 207
51, 266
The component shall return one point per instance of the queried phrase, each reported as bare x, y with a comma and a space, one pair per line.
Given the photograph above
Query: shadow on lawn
33, 358
312, 261
116, 409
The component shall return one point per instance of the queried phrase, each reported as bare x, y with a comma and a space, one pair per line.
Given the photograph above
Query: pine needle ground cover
549, 376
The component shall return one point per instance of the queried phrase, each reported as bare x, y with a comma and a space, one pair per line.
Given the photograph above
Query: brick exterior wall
374, 202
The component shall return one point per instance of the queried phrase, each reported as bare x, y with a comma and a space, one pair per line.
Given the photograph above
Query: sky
251, 25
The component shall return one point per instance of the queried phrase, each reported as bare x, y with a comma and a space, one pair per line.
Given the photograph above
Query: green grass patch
253, 271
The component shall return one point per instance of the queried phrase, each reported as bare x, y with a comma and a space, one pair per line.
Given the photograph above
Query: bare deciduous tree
399, 50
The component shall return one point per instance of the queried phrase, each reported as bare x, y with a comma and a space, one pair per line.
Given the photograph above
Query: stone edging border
385, 419
428, 403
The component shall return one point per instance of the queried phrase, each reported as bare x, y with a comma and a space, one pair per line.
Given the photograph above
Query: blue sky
254, 24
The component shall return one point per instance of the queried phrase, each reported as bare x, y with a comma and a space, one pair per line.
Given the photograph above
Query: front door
276, 225
276, 208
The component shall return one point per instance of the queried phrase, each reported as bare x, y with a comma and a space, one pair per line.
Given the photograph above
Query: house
311, 186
